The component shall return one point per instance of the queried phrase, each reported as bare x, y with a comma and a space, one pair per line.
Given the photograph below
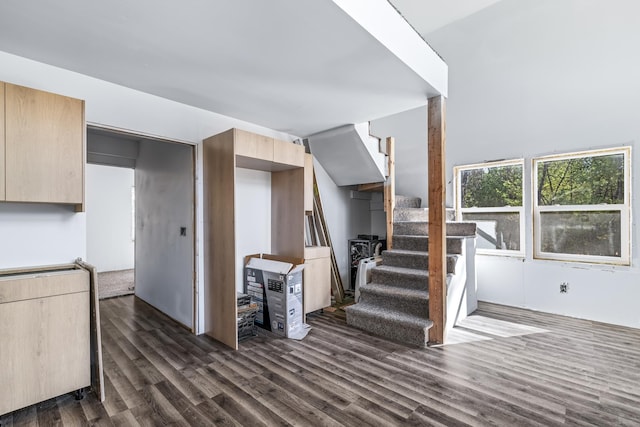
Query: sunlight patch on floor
481, 328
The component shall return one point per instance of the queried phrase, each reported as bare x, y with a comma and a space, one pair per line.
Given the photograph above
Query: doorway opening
140, 194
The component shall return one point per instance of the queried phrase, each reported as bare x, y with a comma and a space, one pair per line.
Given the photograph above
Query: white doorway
161, 216
111, 227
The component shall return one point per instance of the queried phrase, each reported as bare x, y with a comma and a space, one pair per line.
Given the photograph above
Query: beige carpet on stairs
115, 283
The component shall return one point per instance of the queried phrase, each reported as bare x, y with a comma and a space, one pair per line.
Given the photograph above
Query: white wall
253, 217
529, 78
37, 235
345, 217
108, 214
165, 204
29, 239
409, 128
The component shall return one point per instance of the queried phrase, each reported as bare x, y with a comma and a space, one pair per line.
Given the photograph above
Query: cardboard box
275, 284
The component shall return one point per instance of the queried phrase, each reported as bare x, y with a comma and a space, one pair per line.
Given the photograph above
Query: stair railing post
437, 220
390, 190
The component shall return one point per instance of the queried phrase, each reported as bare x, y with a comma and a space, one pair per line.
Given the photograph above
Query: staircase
395, 304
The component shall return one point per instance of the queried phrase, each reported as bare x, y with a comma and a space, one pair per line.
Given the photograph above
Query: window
491, 194
581, 206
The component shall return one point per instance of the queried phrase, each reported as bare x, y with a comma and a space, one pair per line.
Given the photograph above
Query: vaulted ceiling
298, 67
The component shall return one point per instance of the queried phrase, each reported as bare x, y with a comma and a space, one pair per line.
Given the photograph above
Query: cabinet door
2, 196
44, 146
288, 154
252, 145
317, 278
45, 351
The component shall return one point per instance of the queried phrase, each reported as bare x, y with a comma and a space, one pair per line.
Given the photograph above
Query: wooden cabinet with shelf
44, 147
222, 153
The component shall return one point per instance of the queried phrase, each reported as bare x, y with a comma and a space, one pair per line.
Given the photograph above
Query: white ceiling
430, 15
294, 66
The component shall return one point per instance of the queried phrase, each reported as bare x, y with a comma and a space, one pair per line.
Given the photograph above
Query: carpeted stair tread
421, 228
421, 243
393, 292
407, 201
403, 300
407, 328
414, 259
418, 214
412, 278
413, 273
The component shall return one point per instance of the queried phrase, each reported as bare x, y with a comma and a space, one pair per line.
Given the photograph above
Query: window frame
457, 170
624, 209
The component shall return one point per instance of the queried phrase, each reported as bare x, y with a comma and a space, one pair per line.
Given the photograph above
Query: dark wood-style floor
509, 367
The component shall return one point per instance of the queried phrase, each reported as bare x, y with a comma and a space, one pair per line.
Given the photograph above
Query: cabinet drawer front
18, 288
44, 138
45, 349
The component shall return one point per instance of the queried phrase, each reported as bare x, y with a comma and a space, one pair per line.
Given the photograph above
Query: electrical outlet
564, 287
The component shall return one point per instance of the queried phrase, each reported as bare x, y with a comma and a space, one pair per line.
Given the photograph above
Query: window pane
581, 233
496, 230
581, 181
492, 186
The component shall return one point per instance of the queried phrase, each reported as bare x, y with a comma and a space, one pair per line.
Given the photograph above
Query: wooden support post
437, 225
390, 190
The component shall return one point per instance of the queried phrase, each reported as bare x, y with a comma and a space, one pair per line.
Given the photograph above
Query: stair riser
414, 336
422, 214
421, 243
422, 228
413, 306
399, 280
408, 202
418, 261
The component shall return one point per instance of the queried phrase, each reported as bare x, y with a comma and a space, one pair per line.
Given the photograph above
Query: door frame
194, 153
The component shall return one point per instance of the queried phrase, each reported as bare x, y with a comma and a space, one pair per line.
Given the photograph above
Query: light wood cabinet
2, 144
44, 147
253, 146
222, 153
45, 344
317, 278
288, 154
308, 184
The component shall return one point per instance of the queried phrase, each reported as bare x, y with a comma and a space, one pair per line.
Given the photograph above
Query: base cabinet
45, 336
317, 278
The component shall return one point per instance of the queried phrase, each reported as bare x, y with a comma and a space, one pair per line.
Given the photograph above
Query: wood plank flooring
508, 367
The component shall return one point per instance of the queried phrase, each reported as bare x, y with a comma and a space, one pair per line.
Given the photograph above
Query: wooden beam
372, 186
390, 190
437, 225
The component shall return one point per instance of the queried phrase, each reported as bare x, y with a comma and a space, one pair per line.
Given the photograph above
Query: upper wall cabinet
44, 147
